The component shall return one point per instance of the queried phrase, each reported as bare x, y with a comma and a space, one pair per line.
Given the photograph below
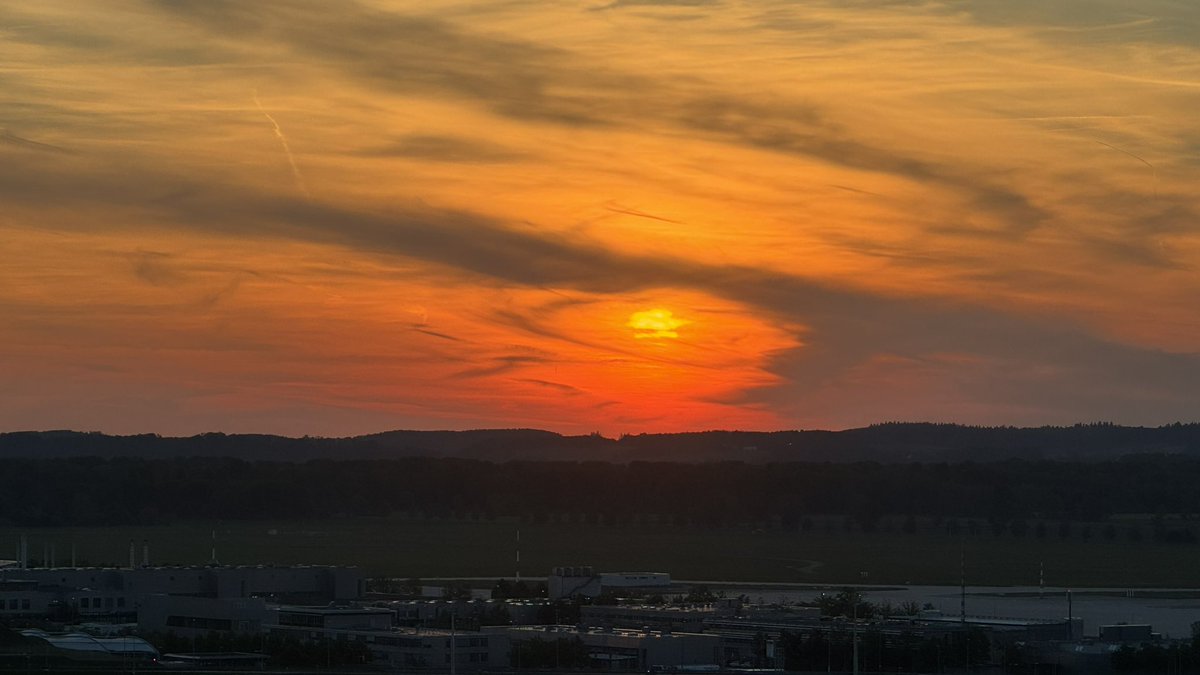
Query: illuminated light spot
655, 324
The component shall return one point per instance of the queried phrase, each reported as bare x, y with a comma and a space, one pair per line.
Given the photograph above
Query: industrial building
418, 613
639, 580
191, 617
399, 647
1002, 629
93, 592
19, 598
1122, 633
571, 581
627, 650
126, 647
688, 619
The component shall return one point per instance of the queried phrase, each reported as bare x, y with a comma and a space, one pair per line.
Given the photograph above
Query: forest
1015, 495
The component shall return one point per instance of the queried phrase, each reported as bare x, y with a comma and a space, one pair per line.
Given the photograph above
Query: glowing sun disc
655, 324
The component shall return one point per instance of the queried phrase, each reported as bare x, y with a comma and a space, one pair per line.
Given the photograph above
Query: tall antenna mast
453, 647
1070, 617
854, 630
962, 580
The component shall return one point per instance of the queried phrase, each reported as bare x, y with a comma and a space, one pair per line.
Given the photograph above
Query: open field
402, 547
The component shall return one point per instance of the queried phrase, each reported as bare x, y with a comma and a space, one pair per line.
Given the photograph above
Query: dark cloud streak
845, 327
530, 82
11, 139
454, 149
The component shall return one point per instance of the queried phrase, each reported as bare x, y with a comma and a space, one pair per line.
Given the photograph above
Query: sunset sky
335, 218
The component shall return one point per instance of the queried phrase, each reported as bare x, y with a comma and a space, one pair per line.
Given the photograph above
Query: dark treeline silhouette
1158, 658
892, 442
1018, 495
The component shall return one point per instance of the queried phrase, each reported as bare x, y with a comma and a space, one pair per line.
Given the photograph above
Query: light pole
1070, 617
829, 653
854, 630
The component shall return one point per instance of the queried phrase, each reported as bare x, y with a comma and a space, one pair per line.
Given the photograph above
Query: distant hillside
888, 443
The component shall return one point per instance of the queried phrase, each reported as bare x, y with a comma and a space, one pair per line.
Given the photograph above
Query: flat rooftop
987, 620
618, 632
334, 611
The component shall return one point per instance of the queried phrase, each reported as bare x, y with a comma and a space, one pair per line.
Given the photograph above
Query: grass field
402, 547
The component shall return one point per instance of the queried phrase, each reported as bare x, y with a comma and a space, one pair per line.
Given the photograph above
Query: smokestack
132, 555
145, 553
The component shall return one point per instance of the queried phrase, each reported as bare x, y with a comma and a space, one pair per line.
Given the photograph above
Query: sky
621, 216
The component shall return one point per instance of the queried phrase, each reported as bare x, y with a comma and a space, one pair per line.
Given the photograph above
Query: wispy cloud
283, 143
12, 139
864, 210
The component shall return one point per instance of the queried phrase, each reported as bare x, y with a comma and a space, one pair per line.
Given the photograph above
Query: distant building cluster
583, 581
110, 607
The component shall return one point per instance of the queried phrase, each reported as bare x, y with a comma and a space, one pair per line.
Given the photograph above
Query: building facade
402, 648
629, 650
117, 592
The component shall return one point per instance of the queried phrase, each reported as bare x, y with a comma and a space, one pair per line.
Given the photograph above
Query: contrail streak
617, 208
1153, 168
286, 149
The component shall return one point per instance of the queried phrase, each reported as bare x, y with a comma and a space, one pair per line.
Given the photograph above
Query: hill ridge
888, 442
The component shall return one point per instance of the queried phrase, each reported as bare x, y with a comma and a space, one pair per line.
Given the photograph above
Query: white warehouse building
570, 581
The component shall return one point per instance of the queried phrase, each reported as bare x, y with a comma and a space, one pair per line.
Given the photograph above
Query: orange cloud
462, 221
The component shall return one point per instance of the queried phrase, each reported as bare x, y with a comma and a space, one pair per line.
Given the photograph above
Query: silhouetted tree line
1017, 497
518, 590
846, 603
892, 442
1179, 657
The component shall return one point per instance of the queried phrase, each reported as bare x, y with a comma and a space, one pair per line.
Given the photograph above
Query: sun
655, 324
